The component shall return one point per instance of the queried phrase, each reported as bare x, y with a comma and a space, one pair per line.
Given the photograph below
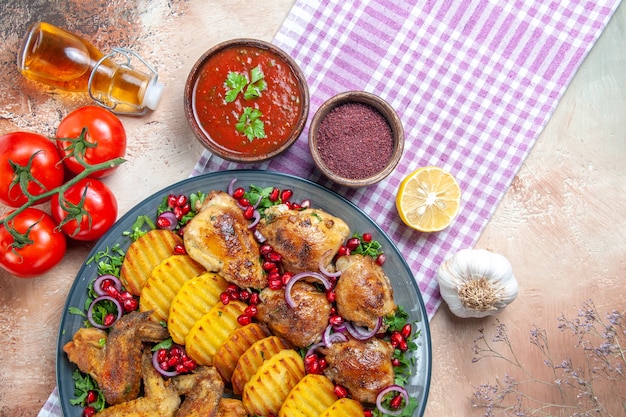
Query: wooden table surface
561, 224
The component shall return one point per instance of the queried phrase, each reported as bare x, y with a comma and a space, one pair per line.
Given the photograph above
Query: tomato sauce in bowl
231, 124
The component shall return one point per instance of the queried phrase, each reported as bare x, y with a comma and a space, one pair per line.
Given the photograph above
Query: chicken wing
160, 397
202, 390
304, 238
363, 291
301, 325
219, 239
363, 367
116, 363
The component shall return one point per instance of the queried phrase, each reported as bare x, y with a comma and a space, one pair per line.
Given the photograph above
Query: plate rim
233, 175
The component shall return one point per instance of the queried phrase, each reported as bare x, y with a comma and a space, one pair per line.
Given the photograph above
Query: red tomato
99, 202
104, 129
44, 248
46, 167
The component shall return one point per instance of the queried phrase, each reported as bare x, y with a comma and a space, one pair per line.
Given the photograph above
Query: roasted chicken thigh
304, 238
363, 367
301, 325
218, 238
363, 291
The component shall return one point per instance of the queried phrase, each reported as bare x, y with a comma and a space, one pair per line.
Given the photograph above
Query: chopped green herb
82, 385
138, 228
250, 124
373, 248
257, 84
109, 261
235, 82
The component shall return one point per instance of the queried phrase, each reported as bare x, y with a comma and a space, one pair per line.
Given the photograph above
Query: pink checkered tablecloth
473, 81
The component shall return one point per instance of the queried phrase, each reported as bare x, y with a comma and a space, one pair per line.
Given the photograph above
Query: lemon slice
428, 199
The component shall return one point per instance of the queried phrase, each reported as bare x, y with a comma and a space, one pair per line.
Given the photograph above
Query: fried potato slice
344, 407
212, 330
267, 389
226, 357
192, 301
143, 255
164, 282
253, 358
309, 398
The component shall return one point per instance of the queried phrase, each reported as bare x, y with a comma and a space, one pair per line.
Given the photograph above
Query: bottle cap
153, 94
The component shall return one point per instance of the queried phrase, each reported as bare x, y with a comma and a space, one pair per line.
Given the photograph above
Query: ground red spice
355, 141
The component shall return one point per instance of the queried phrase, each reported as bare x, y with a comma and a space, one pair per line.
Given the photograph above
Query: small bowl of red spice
246, 100
356, 139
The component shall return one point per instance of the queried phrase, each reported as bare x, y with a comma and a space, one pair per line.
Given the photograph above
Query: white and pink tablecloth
473, 81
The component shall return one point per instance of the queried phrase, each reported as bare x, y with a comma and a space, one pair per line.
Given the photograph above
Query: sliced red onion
363, 333
305, 204
329, 337
384, 391
302, 275
313, 348
259, 237
118, 306
160, 370
325, 271
170, 218
231, 186
97, 284
255, 219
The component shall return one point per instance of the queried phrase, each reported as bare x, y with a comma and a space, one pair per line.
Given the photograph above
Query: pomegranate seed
295, 206
274, 194
244, 320
225, 298
172, 362
343, 251
190, 365
92, 396
323, 363
162, 222
395, 362
406, 330
285, 195
89, 411
395, 402
180, 200
109, 319
268, 266
367, 237
331, 296
275, 257
265, 249
238, 193
254, 298
274, 275
106, 283
180, 250
380, 259
130, 305
286, 277
275, 284
112, 291
232, 288
309, 359
178, 212
353, 243
250, 311
314, 368
367, 413
233, 296
161, 355
403, 346
171, 201
244, 295
396, 337
185, 208
176, 351
248, 213
336, 320
340, 392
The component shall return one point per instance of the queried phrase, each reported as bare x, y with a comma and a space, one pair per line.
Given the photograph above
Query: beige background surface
561, 224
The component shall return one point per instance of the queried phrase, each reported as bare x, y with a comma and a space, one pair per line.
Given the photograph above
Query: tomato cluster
35, 170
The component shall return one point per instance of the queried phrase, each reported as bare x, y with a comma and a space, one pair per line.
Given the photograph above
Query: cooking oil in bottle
63, 60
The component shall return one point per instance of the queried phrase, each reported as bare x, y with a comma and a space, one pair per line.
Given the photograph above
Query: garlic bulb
477, 283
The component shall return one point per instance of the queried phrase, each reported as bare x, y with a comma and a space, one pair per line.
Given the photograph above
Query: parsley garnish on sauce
250, 123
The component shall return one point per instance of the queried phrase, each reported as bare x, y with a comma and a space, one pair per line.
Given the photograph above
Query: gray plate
406, 292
